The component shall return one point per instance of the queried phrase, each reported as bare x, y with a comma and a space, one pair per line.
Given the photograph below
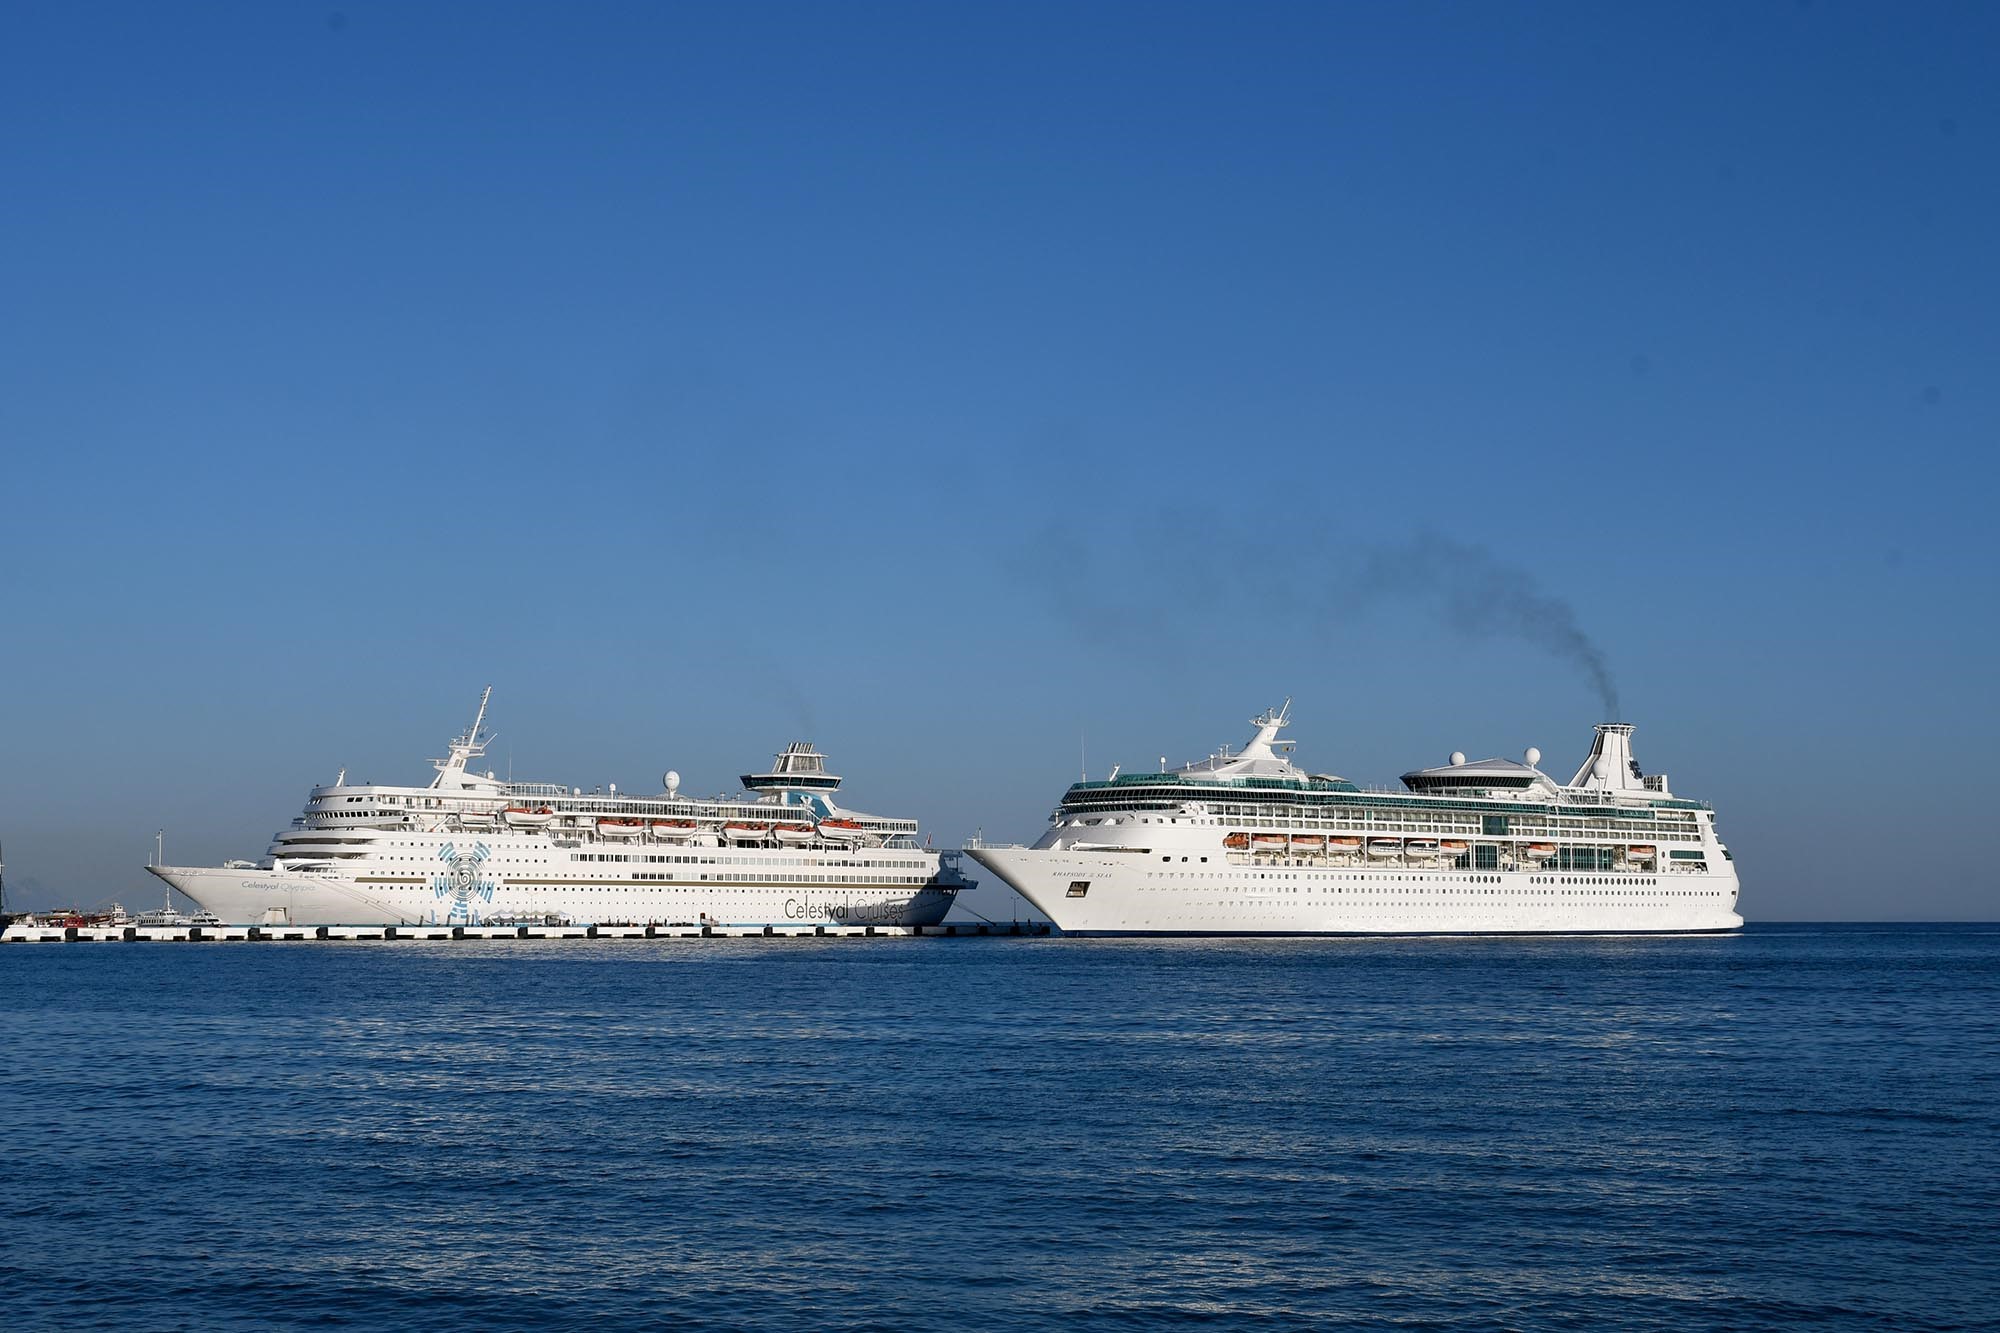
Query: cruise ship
1248, 843
471, 849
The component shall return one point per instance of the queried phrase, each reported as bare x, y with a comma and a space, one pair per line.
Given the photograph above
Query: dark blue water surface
1795, 1125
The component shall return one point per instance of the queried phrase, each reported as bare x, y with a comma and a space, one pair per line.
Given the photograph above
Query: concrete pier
18, 933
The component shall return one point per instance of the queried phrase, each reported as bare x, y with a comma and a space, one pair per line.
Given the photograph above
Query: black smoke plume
1482, 598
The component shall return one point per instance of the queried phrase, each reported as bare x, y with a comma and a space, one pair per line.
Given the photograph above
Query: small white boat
620, 828
746, 832
1310, 843
1421, 846
1268, 842
841, 830
1385, 846
675, 830
792, 834
1539, 851
523, 816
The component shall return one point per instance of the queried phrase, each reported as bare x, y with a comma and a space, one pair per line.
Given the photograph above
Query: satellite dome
1457, 758
1601, 769
673, 781
1533, 756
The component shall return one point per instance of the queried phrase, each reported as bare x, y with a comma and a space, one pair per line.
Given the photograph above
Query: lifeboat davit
1236, 842
746, 832
1385, 847
841, 830
522, 816
792, 833
1539, 851
620, 828
674, 830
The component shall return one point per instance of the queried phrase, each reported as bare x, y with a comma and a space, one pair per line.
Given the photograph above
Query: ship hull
1131, 893
277, 897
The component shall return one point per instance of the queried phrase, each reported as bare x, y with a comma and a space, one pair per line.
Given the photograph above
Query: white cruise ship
1247, 843
468, 848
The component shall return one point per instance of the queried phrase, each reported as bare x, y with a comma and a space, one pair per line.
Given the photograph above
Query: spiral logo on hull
462, 883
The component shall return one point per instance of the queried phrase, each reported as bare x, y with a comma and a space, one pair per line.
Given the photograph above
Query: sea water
1791, 1126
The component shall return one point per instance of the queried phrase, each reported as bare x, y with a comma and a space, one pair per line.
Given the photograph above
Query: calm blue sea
1796, 1126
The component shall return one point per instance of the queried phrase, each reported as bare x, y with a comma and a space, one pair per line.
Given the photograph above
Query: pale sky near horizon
985, 391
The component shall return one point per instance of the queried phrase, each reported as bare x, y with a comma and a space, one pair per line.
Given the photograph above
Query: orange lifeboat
676, 830
746, 832
841, 830
792, 834
1308, 842
1539, 851
525, 816
1236, 842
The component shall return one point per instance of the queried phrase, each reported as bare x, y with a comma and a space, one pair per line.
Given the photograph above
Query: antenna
160, 847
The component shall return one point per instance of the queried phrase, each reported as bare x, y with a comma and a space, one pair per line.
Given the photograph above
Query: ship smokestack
1611, 766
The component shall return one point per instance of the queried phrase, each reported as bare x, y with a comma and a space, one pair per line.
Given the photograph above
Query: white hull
515, 881
1135, 893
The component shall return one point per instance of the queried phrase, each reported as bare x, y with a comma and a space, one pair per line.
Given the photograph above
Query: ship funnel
1611, 766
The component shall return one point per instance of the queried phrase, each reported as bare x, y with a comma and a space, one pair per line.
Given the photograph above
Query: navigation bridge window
1077, 888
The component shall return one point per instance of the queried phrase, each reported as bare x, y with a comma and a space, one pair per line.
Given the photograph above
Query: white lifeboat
1539, 851
738, 832
675, 830
1452, 846
1421, 846
620, 828
1268, 842
1385, 846
792, 834
523, 816
1340, 843
1311, 843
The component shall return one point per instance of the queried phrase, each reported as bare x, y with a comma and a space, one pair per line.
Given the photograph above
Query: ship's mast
480, 716
468, 746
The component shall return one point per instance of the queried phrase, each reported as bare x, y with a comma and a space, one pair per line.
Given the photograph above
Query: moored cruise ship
468, 848
1247, 843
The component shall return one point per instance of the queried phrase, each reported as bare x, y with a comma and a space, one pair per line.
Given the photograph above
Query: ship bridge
798, 767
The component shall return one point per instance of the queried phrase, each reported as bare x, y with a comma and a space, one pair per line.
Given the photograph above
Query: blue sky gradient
956, 387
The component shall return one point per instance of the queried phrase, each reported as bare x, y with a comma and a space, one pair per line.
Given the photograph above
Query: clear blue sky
943, 383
